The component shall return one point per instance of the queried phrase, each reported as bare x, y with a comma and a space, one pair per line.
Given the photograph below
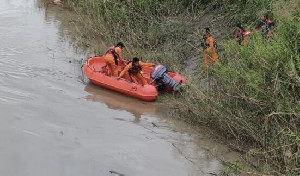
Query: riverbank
252, 97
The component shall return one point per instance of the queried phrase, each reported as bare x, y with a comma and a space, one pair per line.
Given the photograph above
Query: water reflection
117, 101
70, 28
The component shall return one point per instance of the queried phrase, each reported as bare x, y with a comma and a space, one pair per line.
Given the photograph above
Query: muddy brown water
52, 124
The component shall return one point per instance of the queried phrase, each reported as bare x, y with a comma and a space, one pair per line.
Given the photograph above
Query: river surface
52, 124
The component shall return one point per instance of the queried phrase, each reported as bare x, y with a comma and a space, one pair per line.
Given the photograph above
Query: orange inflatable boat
94, 71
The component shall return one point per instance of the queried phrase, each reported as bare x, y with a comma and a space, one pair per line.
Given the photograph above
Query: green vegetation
252, 96
256, 91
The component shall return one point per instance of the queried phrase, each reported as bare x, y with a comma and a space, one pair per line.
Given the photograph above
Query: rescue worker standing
266, 26
134, 70
241, 35
209, 49
112, 58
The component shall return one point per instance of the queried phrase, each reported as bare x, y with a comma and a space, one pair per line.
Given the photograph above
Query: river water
52, 124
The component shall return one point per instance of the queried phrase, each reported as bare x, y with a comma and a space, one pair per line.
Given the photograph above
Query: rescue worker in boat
209, 49
266, 26
113, 57
134, 70
241, 35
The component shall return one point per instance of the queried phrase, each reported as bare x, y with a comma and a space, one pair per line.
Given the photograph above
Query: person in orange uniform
210, 51
112, 58
241, 35
266, 26
134, 68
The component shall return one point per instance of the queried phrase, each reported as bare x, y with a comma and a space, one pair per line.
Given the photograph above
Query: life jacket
203, 42
268, 24
241, 36
214, 44
134, 69
267, 27
111, 50
206, 45
246, 33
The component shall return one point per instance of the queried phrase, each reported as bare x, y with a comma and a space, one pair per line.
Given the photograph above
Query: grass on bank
255, 92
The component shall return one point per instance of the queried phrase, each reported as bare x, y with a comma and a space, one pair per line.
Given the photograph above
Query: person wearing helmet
209, 49
113, 57
134, 70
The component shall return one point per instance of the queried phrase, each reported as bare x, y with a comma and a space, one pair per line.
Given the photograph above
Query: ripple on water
10, 51
10, 13
8, 94
14, 70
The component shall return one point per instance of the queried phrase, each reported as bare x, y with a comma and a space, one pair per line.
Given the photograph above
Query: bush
256, 92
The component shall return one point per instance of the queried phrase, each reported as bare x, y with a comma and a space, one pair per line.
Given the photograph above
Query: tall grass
251, 97
154, 30
254, 95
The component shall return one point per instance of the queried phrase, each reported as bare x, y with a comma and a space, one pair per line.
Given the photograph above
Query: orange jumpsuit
210, 53
246, 38
136, 78
266, 26
242, 37
110, 62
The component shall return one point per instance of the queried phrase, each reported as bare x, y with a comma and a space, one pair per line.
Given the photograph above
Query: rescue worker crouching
241, 35
209, 49
134, 70
113, 57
